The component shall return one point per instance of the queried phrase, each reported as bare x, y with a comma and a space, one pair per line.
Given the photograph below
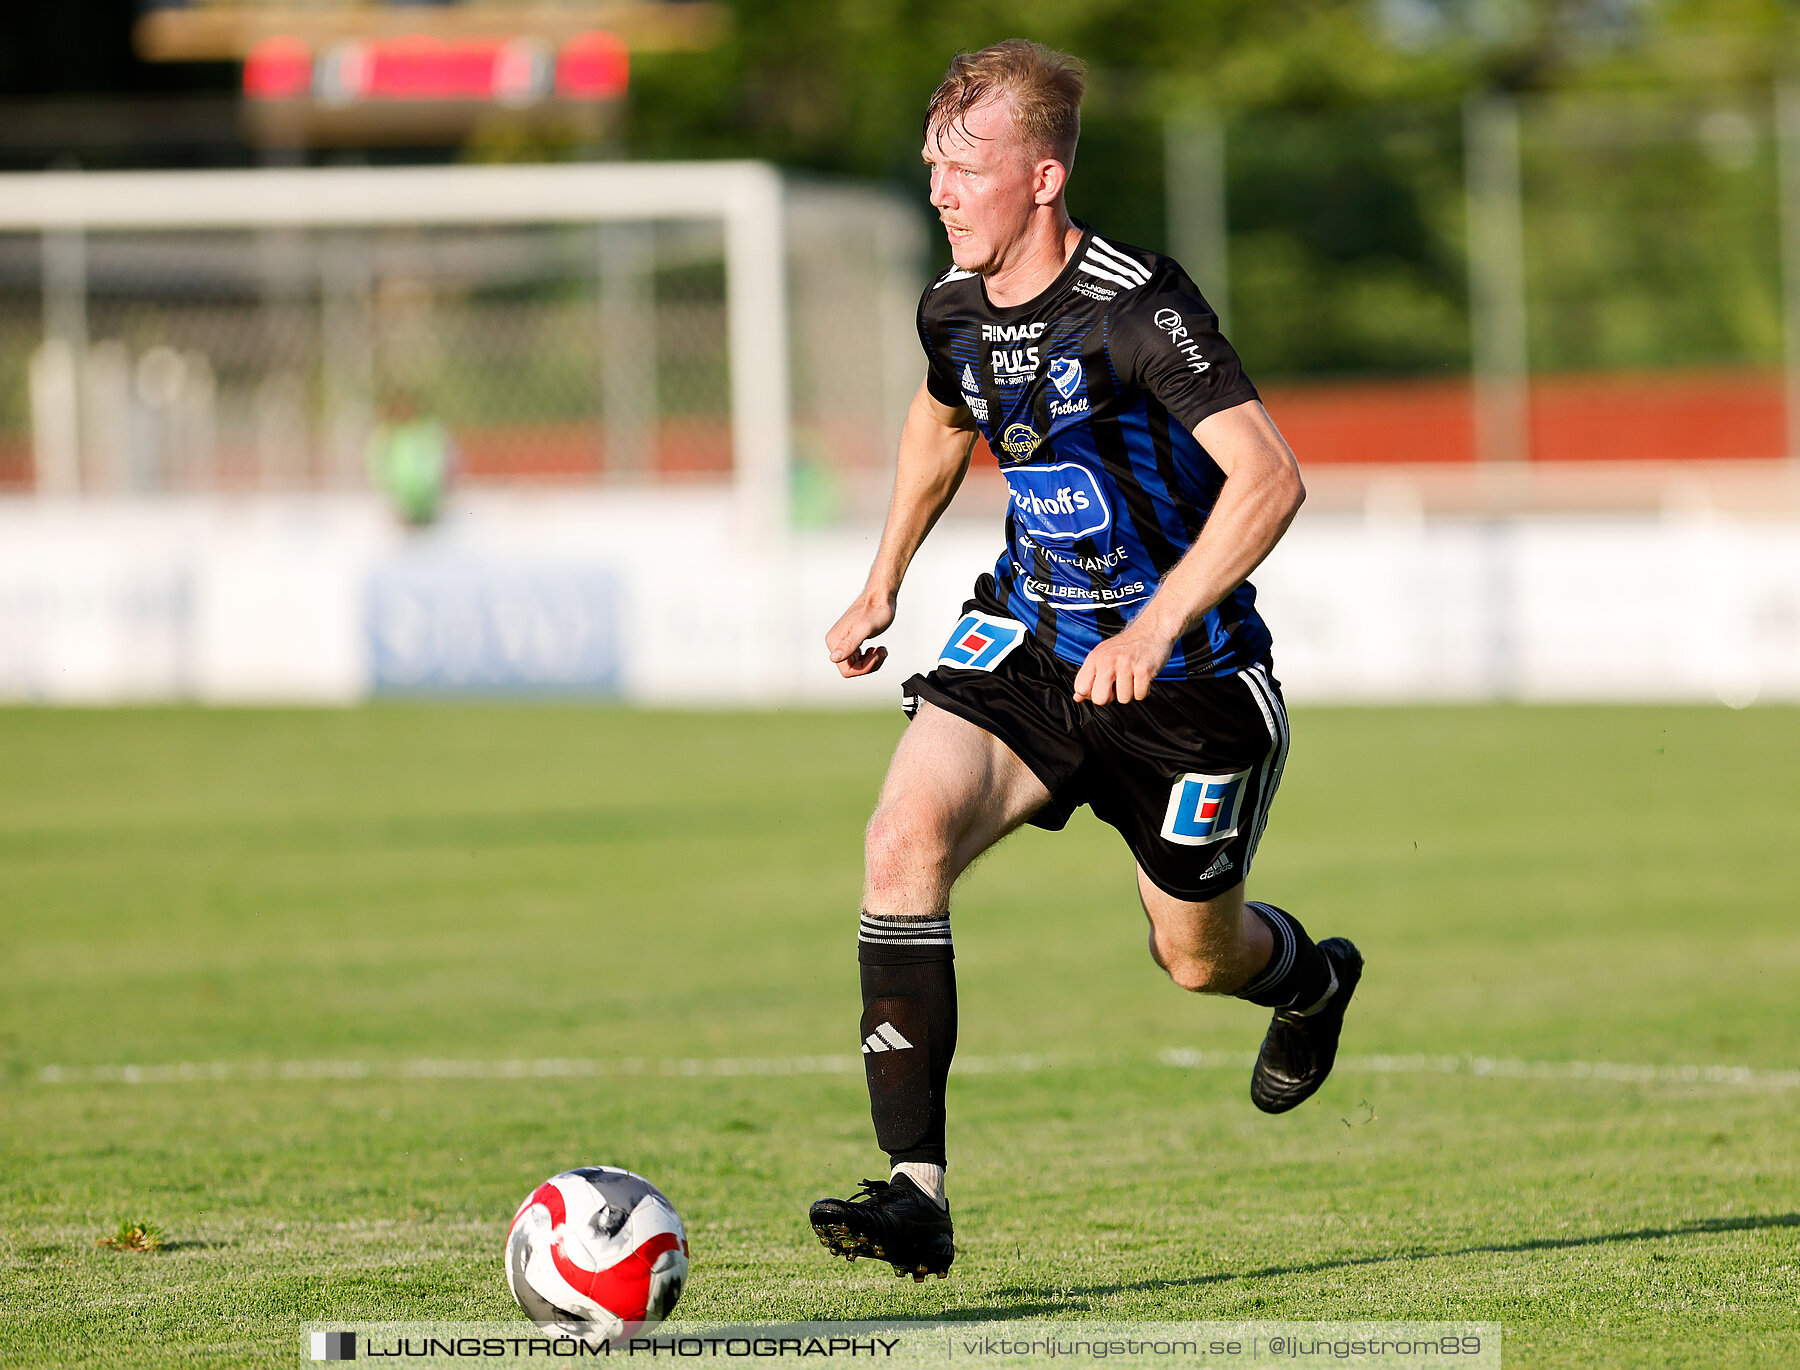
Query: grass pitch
300, 896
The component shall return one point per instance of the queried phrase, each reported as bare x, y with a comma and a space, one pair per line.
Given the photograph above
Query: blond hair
1044, 87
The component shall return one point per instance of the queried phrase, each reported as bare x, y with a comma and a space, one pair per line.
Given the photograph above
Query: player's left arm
1261, 495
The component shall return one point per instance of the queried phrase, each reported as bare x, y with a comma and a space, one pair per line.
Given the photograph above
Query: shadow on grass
1698, 1227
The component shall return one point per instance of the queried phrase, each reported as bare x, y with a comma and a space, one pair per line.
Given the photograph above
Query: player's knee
900, 849
1194, 974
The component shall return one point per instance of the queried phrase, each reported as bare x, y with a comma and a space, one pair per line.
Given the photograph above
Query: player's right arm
934, 457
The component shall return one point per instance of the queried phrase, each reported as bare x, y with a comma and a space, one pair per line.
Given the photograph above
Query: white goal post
747, 198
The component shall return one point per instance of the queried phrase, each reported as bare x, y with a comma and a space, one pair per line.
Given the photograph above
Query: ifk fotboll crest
1065, 375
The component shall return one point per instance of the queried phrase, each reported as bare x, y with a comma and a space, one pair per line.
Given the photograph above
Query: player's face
983, 186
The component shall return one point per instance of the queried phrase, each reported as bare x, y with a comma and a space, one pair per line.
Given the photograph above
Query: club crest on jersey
980, 643
1058, 503
1204, 808
1065, 375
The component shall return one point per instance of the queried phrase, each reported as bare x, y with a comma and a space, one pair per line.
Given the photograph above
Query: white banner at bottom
1189, 1345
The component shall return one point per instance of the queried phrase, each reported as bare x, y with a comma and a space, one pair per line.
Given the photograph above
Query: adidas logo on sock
885, 1038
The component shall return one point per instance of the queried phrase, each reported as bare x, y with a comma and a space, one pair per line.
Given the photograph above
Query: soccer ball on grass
596, 1253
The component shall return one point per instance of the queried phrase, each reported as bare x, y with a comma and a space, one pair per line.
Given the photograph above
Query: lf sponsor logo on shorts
1204, 808
980, 643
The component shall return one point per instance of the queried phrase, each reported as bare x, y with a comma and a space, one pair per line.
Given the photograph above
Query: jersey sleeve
1168, 343
940, 375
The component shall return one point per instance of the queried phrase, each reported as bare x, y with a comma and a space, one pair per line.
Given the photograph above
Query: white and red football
595, 1253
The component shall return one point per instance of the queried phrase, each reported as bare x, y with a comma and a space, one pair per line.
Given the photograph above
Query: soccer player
1114, 657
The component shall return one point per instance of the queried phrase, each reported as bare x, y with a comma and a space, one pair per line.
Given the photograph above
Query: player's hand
868, 617
1121, 668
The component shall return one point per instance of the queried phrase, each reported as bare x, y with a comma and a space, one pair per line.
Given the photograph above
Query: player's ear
1048, 181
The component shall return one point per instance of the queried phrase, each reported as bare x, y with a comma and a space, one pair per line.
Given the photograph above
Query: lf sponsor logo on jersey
980, 643
1170, 321
1061, 502
1204, 808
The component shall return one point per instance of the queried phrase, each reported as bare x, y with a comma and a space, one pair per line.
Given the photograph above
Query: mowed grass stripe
1186, 1058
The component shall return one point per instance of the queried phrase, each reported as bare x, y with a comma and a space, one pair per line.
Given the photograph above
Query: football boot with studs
890, 1220
1300, 1049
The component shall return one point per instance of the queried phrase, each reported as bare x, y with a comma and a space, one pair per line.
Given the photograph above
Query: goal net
611, 324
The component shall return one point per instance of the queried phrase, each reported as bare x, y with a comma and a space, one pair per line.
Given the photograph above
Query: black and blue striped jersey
1088, 395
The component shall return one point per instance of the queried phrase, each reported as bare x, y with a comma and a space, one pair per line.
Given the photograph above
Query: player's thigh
953, 789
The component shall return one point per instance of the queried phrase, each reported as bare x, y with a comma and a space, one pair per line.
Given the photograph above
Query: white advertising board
652, 597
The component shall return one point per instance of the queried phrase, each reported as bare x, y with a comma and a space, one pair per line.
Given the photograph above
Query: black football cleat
893, 1221
1298, 1052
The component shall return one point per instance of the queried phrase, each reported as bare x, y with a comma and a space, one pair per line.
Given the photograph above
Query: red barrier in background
1652, 416
1691, 416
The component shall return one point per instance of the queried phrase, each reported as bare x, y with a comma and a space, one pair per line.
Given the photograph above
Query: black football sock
909, 1031
1298, 977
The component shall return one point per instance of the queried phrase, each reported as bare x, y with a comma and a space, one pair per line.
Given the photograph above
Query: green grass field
398, 884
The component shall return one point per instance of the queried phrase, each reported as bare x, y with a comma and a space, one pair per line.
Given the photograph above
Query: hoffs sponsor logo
1170, 322
1058, 503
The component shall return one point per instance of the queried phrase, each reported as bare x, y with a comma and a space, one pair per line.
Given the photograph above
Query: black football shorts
1186, 775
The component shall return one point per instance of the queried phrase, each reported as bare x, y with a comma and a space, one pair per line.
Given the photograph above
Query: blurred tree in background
1648, 150
1343, 122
